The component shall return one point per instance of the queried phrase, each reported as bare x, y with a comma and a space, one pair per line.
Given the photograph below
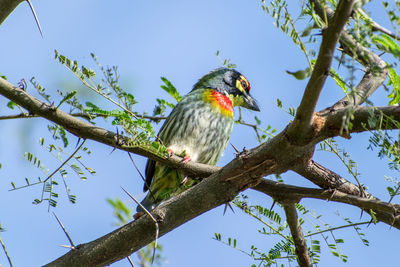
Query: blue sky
177, 40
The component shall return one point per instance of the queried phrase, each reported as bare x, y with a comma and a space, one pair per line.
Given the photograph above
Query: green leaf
339, 81
300, 74
11, 105
67, 97
279, 103
170, 89
387, 44
394, 81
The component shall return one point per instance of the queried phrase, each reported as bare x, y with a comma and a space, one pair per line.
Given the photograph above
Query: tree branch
88, 131
7, 7
220, 188
376, 67
297, 234
87, 116
361, 122
301, 126
289, 193
329, 180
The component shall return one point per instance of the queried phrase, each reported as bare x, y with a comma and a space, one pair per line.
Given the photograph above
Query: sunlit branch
289, 193
6, 252
297, 234
376, 67
329, 180
362, 117
88, 116
301, 126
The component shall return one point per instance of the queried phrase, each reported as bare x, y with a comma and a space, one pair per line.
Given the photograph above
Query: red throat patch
220, 101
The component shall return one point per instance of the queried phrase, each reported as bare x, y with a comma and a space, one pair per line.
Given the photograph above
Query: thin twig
130, 261
378, 27
337, 228
141, 175
5, 252
65, 231
36, 18
151, 216
68, 159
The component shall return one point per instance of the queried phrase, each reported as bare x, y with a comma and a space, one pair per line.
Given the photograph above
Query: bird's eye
244, 84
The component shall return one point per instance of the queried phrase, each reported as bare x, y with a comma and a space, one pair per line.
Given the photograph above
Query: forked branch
300, 129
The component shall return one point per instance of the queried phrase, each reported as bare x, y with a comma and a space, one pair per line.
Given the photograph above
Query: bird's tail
166, 184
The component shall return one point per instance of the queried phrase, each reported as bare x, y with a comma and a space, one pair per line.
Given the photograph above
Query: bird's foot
185, 180
186, 159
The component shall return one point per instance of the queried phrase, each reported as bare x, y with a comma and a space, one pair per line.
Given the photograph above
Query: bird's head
230, 83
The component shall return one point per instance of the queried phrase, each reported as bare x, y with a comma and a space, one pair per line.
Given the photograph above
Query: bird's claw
186, 159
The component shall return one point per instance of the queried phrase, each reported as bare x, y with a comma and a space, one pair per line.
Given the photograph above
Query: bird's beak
250, 103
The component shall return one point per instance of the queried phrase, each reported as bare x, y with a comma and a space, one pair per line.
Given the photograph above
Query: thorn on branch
273, 204
152, 217
52, 107
66, 233
239, 153
227, 204
22, 84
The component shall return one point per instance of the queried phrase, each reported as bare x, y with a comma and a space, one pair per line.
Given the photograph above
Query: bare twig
337, 228
141, 175
36, 18
5, 252
130, 261
154, 220
297, 234
65, 231
377, 27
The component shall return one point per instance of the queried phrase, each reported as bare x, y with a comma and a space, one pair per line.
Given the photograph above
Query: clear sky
177, 40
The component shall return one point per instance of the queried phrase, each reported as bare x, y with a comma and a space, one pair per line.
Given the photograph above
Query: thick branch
327, 179
86, 116
364, 119
7, 7
289, 193
297, 234
220, 188
88, 131
301, 126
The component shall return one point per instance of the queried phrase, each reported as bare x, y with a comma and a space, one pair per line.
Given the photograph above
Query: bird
197, 129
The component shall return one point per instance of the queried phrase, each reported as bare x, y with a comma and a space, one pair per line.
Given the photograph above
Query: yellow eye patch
243, 84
